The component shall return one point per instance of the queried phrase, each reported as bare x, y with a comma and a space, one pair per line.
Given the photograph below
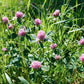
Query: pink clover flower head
37, 21
53, 46
4, 49
36, 65
22, 32
5, 20
56, 13
41, 35
81, 42
10, 26
19, 14
82, 57
57, 57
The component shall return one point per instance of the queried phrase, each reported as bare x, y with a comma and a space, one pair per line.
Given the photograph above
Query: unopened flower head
4, 49
57, 57
53, 46
56, 13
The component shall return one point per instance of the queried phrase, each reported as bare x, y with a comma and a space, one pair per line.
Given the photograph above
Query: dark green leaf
12, 36
41, 44
28, 37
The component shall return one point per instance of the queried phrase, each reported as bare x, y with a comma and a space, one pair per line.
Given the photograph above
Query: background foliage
66, 32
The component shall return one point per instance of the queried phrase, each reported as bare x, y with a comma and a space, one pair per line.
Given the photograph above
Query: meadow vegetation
41, 41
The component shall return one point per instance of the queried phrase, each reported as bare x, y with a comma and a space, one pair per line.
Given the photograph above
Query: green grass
66, 32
